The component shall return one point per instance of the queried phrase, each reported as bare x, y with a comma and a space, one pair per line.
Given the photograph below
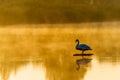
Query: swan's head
77, 40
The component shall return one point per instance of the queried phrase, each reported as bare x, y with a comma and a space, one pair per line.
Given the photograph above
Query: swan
82, 47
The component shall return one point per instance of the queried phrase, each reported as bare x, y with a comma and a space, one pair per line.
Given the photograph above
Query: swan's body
82, 47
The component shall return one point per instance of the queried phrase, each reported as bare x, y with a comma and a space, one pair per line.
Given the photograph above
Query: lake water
46, 53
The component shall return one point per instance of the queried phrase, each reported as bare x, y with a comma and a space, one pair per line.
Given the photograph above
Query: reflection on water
82, 62
37, 71
47, 53
29, 72
105, 71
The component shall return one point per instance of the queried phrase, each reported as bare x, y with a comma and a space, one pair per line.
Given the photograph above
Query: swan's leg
82, 52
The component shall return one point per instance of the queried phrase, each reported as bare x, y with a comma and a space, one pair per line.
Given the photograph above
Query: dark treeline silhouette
58, 11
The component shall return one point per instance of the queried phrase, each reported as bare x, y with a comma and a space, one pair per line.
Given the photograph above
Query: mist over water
45, 52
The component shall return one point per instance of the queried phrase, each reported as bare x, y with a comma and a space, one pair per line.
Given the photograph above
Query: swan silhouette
82, 47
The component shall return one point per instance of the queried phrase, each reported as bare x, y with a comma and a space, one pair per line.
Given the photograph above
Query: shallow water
47, 53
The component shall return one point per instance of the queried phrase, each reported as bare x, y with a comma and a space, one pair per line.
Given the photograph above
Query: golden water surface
46, 53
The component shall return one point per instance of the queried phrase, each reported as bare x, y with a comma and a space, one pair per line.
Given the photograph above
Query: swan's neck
77, 43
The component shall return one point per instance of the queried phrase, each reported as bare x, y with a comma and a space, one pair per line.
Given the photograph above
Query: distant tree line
58, 11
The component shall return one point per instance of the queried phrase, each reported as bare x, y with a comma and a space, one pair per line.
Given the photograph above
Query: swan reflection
82, 62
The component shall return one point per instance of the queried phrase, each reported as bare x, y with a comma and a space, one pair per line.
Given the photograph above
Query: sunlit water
47, 53
29, 72
96, 72
106, 71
